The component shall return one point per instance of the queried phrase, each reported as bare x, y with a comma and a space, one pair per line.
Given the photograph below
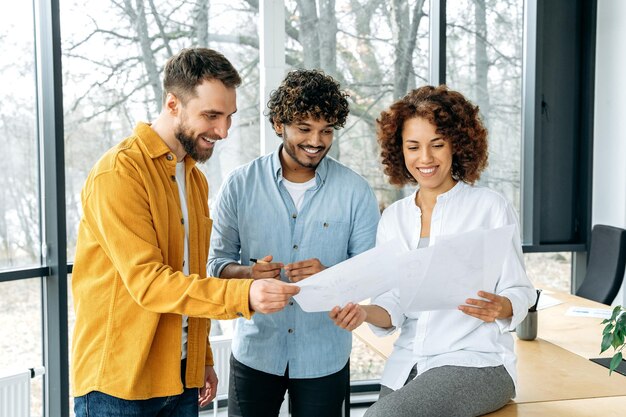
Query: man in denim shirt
297, 212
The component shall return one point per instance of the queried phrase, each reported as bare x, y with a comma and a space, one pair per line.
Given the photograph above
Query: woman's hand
489, 308
350, 317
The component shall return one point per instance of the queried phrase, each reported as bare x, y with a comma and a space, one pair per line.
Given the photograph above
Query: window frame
54, 268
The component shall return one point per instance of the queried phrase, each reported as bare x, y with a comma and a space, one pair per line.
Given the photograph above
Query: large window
484, 62
20, 232
20, 237
20, 333
378, 51
112, 54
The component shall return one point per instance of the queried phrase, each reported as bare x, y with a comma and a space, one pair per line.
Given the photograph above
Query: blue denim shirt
255, 216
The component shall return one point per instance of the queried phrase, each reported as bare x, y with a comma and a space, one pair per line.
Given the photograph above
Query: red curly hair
455, 118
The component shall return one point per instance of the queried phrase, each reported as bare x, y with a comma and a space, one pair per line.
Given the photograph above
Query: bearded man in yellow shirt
141, 295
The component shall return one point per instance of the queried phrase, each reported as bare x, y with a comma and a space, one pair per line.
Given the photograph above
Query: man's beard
291, 151
190, 145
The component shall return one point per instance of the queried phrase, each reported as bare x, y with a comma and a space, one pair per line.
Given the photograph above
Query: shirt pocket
328, 241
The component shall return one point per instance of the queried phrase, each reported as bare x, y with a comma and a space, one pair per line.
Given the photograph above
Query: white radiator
15, 392
220, 345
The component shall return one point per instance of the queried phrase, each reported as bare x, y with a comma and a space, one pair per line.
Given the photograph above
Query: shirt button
295, 247
294, 215
290, 303
173, 177
290, 331
239, 314
182, 221
169, 157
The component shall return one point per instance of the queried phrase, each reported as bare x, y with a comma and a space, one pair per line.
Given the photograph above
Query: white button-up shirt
450, 337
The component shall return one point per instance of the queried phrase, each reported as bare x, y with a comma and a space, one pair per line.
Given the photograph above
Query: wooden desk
589, 407
553, 370
546, 372
580, 335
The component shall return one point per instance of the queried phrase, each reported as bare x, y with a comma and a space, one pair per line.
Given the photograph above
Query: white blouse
450, 337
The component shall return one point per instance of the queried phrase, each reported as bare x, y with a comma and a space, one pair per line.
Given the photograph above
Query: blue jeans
98, 404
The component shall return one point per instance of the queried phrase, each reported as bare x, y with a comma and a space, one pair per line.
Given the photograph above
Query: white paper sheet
364, 276
454, 269
545, 301
439, 277
600, 313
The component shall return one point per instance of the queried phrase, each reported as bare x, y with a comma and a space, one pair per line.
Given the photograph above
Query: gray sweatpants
447, 391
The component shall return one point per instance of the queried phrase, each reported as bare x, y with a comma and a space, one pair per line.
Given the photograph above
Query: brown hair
308, 94
191, 67
455, 118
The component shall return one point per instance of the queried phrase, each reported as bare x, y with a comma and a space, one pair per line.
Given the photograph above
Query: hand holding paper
489, 308
439, 277
363, 276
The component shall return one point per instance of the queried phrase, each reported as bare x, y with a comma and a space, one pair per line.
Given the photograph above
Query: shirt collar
320, 172
153, 143
452, 191
458, 187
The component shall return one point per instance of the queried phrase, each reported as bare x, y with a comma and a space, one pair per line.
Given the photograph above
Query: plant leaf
616, 311
608, 328
618, 338
607, 341
617, 359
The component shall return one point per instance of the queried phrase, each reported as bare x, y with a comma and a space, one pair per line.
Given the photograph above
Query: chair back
605, 264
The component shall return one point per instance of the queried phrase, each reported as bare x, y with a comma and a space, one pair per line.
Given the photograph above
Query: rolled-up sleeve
514, 283
366, 216
390, 301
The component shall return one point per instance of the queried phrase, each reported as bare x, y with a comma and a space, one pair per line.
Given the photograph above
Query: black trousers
253, 393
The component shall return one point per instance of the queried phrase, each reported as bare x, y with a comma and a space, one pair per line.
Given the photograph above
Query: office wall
609, 159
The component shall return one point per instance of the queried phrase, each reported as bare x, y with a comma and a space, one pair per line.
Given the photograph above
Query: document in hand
368, 274
439, 277
455, 268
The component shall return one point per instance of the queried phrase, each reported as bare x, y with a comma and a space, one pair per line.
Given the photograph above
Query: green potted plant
613, 336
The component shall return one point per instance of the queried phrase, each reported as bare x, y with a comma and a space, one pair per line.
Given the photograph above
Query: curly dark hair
191, 66
455, 118
307, 94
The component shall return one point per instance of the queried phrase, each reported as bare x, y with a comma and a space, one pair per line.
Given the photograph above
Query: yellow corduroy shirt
129, 291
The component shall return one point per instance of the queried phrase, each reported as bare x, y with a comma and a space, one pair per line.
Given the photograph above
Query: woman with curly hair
445, 362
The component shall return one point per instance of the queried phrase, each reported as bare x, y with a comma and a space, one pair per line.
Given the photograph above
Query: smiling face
305, 143
205, 119
427, 155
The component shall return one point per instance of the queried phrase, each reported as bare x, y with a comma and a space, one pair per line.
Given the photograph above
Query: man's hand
264, 268
298, 271
489, 309
207, 393
270, 295
350, 317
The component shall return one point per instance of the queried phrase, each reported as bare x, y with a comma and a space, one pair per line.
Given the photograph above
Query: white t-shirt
182, 194
449, 337
297, 189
